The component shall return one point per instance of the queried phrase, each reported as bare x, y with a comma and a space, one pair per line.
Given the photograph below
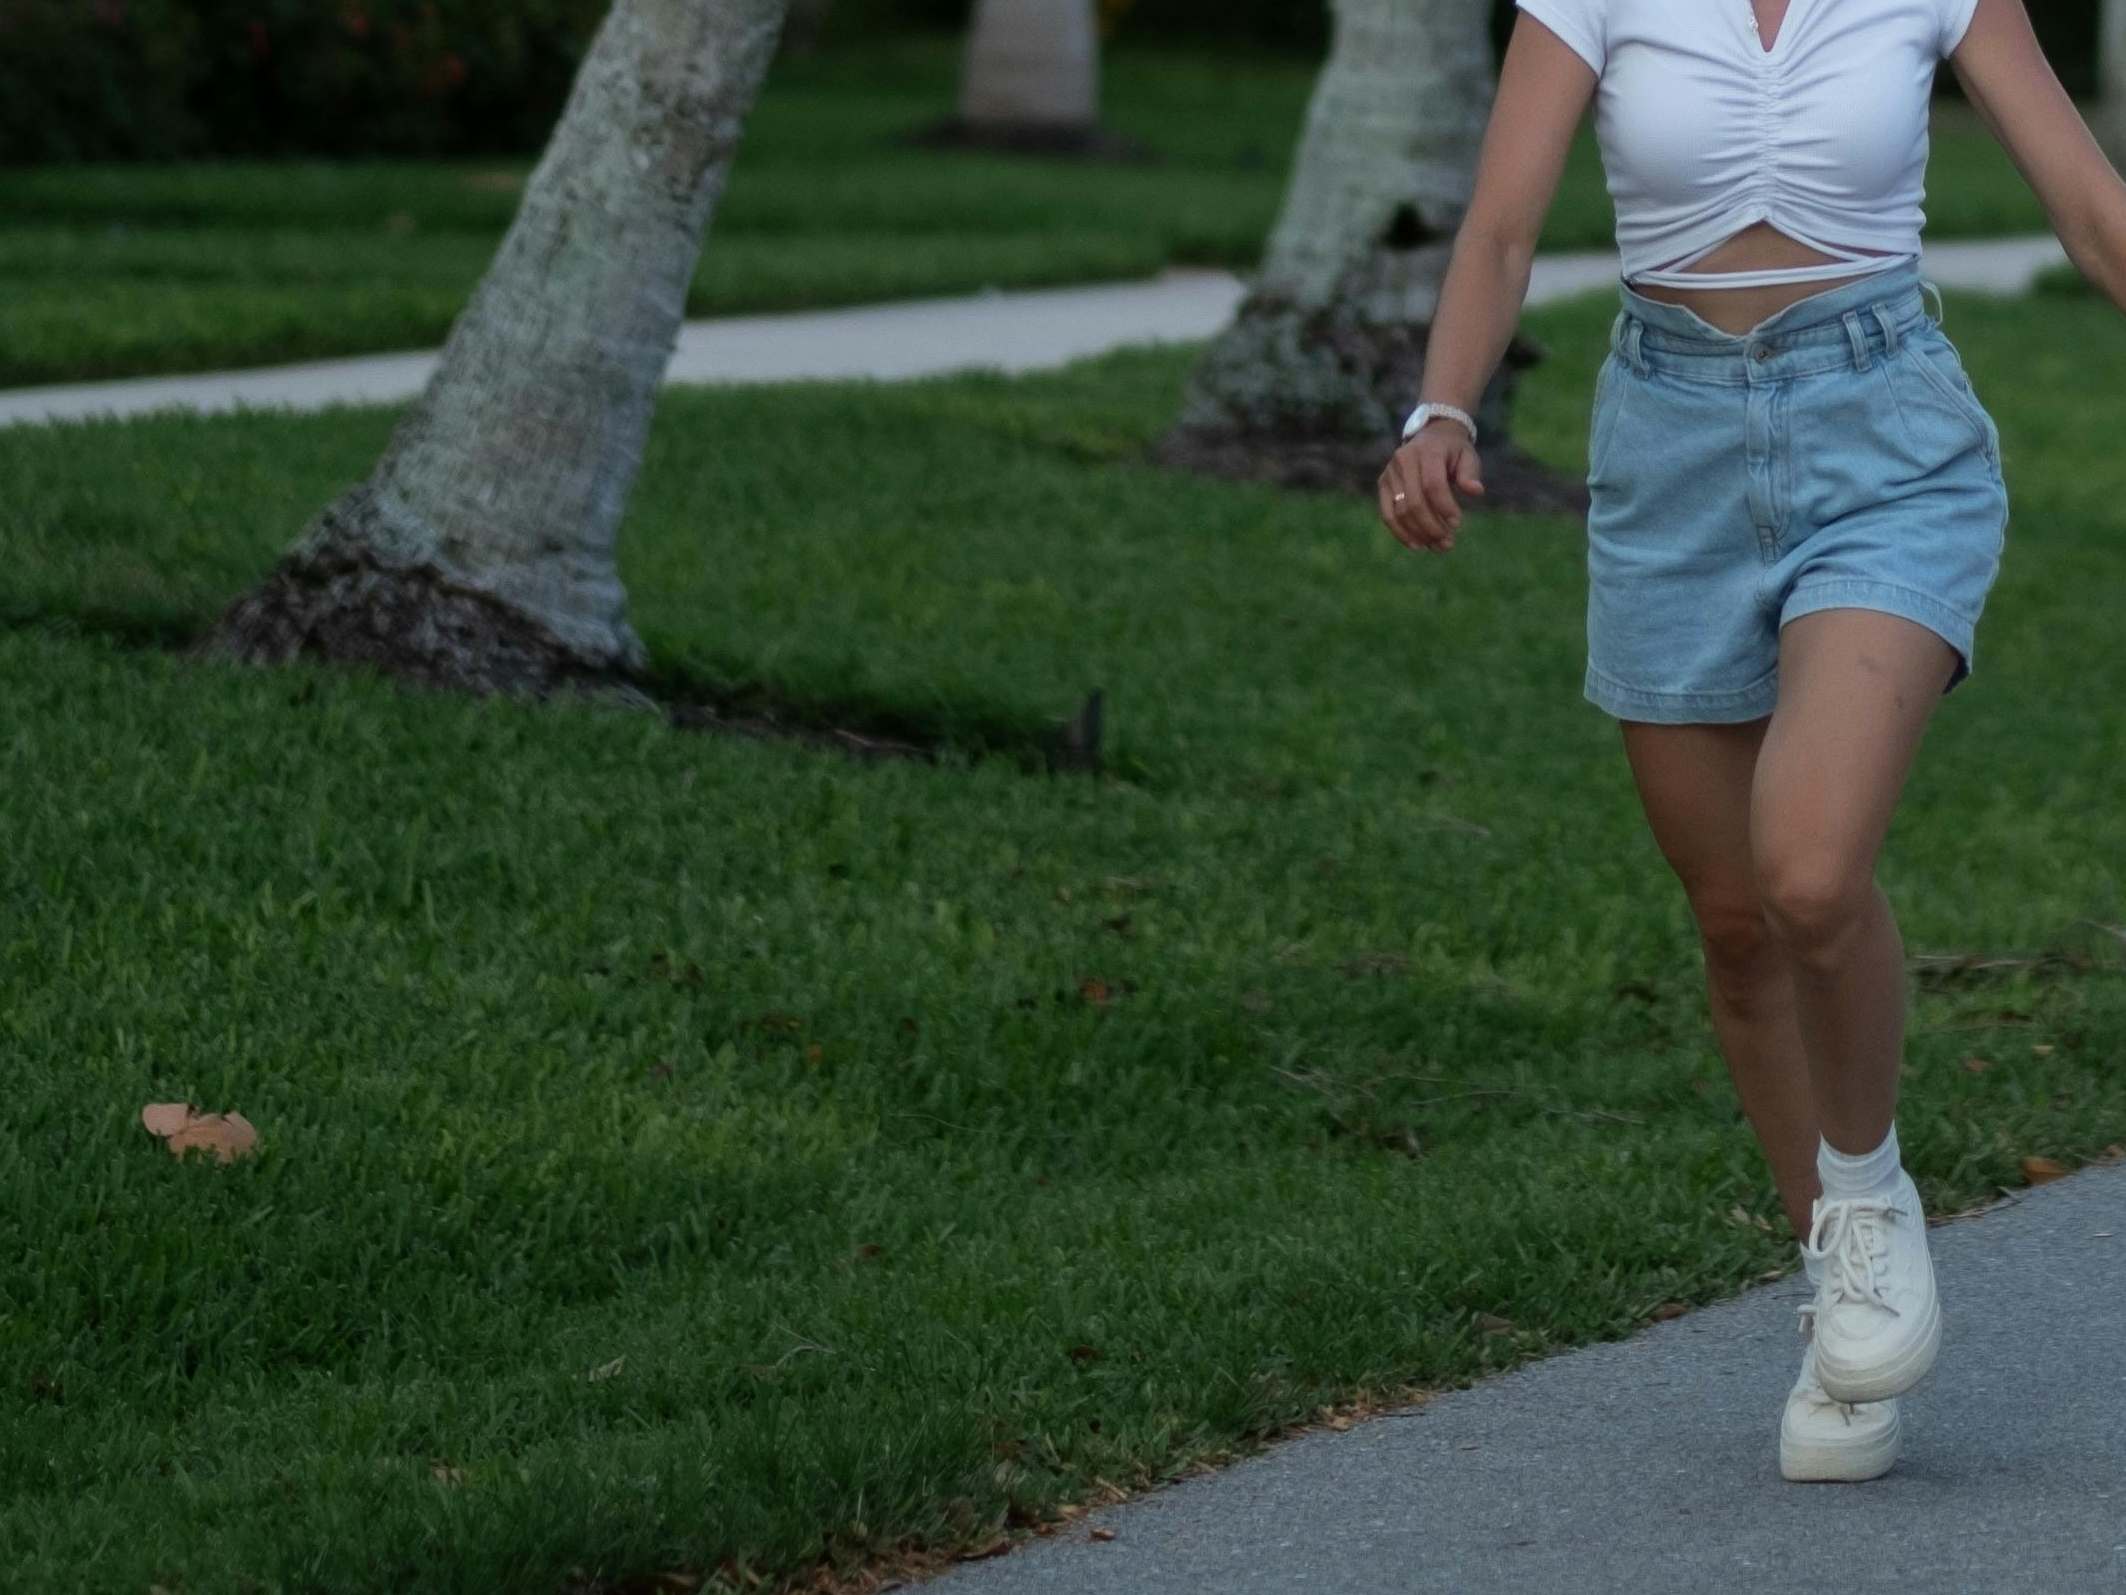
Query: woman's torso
1755, 248
1726, 156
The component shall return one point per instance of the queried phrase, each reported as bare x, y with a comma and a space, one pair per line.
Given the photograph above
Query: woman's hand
1417, 489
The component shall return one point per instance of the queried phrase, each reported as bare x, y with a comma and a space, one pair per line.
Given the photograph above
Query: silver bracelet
1425, 412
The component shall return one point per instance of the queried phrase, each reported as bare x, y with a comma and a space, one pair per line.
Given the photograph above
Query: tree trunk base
333, 599
1513, 480
1032, 138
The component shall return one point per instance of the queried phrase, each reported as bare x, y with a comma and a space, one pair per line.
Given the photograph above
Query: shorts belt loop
1889, 328
1858, 339
1633, 330
1929, 286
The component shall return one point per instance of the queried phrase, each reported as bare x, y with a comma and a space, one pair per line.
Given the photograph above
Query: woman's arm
1544, 87
2018, 96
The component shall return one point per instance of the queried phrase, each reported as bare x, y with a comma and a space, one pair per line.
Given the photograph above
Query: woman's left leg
1856, 688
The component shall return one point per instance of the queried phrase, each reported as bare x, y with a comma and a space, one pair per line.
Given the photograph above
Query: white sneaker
1877, 1324
1822, 1439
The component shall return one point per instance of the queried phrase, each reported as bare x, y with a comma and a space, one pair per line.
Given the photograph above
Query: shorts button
1761, 353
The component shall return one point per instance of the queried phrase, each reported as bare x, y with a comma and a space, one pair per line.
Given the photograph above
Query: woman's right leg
1694, 782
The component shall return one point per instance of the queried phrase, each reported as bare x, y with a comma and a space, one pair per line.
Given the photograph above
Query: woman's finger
1395, 505
1439, 497
1390, 511
1415, 513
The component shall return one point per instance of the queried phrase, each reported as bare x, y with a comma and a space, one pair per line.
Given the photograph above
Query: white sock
1869, 1174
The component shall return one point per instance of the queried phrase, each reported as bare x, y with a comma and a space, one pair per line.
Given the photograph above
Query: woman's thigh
1796, 804
1856, 690
1695, 784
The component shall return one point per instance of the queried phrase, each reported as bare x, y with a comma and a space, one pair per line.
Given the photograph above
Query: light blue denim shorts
1834, 456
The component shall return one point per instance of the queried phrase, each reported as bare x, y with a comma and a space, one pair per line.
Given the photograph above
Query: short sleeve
1579, 24
1955, 20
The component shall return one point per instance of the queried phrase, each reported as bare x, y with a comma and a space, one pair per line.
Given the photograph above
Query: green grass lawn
116, 271
684, 1152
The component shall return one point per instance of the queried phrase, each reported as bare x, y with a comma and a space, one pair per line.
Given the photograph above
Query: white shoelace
1848, 1239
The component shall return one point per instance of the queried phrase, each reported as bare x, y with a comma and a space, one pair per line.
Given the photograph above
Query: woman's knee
1815, 899
1739, 946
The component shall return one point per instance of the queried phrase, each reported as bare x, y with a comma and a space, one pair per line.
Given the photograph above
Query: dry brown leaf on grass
2041, 1170
1670, 1309
165, 1118
1102, 1535
183, 1128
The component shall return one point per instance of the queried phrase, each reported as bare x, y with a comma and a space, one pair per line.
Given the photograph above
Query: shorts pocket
1931, 355
1611, 382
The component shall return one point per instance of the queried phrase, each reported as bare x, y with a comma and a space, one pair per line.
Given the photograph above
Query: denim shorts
1833, 456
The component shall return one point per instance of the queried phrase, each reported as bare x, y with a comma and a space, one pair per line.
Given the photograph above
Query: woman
1797, 512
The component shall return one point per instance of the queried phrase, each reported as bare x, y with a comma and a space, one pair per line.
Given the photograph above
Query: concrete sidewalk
1013, 332
1651, 1465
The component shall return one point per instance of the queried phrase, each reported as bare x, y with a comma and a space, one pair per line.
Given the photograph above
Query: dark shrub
119, 79
156, 79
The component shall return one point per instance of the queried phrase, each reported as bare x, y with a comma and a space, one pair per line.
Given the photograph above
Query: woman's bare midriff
1758, 247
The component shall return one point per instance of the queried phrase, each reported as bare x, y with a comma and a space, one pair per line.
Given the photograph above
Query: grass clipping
183, 1128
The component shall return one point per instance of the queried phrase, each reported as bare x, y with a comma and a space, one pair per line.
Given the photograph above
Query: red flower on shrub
110, 13
443, 75
356, 21
261, 46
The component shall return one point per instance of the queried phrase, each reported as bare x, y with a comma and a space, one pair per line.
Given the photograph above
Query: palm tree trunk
2110, 118
1312, 382
1032, 64
479, 554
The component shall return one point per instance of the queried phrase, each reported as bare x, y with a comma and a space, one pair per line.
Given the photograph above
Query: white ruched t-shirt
1703, 131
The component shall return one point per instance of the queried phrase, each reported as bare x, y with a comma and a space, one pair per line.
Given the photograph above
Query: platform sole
1807, 1462
1881, 1381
